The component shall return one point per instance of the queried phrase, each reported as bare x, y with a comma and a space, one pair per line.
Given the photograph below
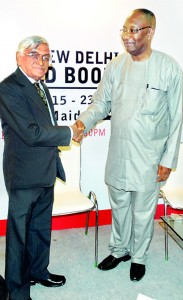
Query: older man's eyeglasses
124, 30
36, 56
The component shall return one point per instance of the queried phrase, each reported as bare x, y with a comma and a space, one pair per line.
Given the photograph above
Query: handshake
78, 130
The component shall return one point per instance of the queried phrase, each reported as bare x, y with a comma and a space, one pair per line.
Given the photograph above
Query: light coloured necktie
41, 93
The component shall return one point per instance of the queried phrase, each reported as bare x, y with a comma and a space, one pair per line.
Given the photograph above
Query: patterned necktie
41, 93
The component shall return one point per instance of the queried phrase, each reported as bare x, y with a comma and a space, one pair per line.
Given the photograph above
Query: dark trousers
28, 239
3, 289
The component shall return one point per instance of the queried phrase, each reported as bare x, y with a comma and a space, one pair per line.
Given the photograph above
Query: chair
172, 194
68, 198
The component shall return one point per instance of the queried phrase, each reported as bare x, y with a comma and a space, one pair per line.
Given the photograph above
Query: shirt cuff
71, 135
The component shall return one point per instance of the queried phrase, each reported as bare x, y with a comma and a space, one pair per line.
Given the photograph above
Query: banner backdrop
83, 37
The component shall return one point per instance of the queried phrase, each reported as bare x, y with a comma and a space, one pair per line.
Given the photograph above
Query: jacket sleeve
100, 107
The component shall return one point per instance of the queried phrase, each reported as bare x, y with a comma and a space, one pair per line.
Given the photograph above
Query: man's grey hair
31, 42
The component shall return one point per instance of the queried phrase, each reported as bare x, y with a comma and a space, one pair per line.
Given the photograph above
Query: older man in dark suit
31, 164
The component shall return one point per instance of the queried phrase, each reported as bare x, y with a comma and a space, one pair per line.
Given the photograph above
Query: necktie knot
41, 93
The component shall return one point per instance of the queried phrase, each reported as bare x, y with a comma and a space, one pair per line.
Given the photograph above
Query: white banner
83, 37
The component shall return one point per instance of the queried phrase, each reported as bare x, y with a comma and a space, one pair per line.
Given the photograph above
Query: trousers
28, 239
4, 295
132, 222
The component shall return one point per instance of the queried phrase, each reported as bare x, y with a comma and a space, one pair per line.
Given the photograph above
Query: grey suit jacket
30, 140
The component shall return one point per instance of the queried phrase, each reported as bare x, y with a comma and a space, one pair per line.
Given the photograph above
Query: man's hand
80, 125
163, 173
77, 133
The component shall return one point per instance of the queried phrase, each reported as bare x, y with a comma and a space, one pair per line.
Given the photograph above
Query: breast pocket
153, 101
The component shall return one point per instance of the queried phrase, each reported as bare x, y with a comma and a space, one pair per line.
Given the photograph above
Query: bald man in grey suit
31, 164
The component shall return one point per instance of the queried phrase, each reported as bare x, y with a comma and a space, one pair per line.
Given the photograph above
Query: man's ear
18, 58
151, 32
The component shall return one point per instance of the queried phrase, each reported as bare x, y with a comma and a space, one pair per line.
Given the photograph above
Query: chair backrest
70, 157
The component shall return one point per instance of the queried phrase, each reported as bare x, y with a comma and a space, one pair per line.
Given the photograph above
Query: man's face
137, 43
35, 66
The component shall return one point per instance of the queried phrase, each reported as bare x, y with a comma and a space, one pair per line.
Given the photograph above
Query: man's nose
40, 60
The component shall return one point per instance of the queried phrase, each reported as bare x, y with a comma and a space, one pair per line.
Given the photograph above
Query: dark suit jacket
30, 140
